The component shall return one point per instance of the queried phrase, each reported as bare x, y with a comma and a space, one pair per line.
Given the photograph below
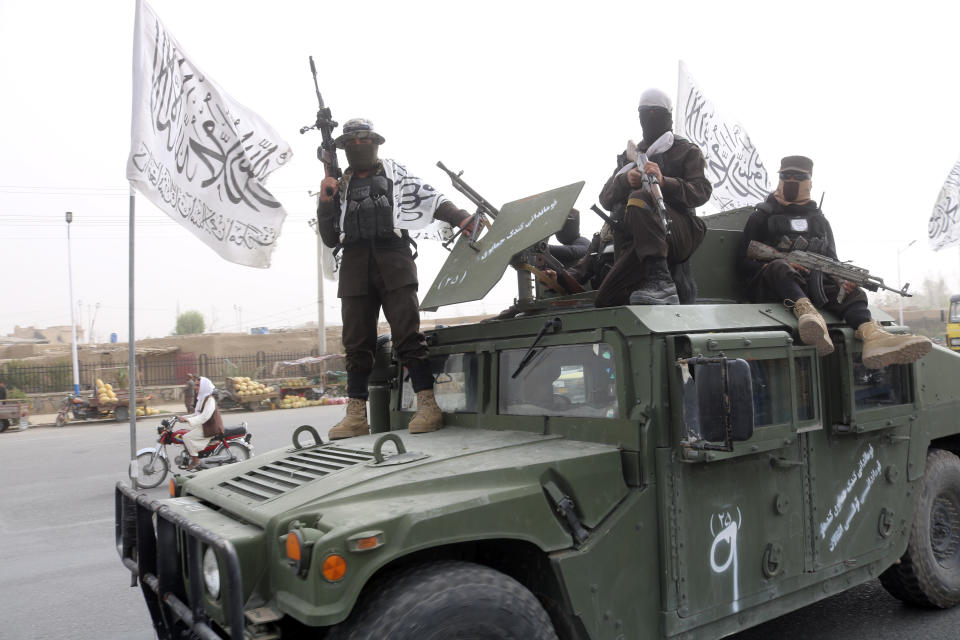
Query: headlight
211, 572
955, 342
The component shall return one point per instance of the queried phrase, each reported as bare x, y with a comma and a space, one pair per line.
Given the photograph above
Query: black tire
61, 420
160, 469
443, 600
240, 451
4, 424
929, 572
121, 413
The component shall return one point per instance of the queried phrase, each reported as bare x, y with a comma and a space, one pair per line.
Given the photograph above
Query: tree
188, 323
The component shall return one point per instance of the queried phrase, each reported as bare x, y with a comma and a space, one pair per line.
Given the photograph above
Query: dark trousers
779, 281
360, 315
643, 238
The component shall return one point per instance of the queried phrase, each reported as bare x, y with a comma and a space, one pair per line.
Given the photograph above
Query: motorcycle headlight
211, 572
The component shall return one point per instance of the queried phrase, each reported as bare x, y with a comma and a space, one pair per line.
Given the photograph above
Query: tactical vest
784, 229
369, 213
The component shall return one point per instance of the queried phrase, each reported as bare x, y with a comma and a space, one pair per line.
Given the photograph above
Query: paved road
60, 577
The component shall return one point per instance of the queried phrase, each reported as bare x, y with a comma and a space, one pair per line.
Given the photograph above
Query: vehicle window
880, 387
955, 312
455, 384
576, 380
771, 391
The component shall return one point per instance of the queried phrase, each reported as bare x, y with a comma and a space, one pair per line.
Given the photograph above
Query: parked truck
675, 472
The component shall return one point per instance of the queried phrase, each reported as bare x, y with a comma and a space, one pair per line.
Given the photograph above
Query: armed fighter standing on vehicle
649, 261
789, 219
381, 204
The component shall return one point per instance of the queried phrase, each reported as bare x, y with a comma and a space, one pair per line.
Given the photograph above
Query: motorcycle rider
205, 421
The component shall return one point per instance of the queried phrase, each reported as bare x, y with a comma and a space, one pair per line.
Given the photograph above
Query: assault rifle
326, 152
827, 266
539, 255
484, 208
650, 183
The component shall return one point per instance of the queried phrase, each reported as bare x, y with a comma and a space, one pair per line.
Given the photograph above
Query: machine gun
484, 208
650, 183
827, 266
326, 152
539, 256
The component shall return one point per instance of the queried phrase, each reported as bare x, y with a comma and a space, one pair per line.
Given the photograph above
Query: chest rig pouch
369, 213
787, 232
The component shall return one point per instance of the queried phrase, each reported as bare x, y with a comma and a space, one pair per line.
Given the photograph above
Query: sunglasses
794, 175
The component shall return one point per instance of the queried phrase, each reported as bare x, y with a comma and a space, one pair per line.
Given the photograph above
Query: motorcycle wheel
240, 451
61, 420
160, 468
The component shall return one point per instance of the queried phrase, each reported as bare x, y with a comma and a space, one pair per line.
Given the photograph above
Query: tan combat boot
881, 348
813, 329
354, 423
428, 416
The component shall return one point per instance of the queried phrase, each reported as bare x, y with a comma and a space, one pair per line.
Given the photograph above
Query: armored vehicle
676, 472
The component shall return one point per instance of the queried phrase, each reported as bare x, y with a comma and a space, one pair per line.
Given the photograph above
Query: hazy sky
523, 96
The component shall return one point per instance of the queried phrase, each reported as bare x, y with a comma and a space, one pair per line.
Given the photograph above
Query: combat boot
354, 423
881, 348
428, 416
812, 327
657, 287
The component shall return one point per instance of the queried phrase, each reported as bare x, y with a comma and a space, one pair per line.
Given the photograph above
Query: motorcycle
81, 409
233, 445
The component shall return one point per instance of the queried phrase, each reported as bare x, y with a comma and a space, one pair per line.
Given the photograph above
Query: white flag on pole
734, 168
944, 226
197, 154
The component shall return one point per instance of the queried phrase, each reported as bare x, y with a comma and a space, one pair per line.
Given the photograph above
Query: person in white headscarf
205, 422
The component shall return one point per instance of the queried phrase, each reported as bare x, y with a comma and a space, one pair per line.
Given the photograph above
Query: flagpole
132, 358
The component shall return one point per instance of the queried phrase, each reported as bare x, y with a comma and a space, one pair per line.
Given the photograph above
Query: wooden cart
249, 400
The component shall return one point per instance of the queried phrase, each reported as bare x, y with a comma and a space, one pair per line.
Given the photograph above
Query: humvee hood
450, 468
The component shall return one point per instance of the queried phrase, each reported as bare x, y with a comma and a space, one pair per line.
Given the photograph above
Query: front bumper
168, 564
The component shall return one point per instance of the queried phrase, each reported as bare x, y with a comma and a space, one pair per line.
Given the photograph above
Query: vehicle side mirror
717, 402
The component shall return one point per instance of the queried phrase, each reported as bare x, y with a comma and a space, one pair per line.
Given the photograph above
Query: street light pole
899, 281
73, 325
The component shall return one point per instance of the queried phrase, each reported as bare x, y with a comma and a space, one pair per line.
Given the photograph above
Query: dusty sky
522, 96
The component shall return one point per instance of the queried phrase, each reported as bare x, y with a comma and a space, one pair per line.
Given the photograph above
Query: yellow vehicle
953, 323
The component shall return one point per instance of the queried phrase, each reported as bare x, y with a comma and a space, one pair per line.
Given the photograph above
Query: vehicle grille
280, 476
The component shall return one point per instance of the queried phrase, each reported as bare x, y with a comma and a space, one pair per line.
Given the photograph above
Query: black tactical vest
784, 228
369, 214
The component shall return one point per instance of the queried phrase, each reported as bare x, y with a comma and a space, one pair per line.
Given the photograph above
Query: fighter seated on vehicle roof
790, 219
648, 260
381, 203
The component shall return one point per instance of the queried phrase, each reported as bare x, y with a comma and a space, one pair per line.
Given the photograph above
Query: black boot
658, 287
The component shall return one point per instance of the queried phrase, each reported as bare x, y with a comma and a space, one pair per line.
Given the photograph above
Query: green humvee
633, 472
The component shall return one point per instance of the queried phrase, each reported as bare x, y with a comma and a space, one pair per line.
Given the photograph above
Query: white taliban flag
944, 226
197, 154
734, 168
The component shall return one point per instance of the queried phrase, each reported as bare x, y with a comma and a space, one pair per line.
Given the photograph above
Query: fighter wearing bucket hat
789, 219
651, 266
381, 203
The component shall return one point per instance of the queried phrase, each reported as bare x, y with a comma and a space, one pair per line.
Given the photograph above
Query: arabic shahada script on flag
944, 226
197, 154
733, 166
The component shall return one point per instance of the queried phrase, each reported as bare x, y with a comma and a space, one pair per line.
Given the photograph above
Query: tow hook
261, 624
565, 507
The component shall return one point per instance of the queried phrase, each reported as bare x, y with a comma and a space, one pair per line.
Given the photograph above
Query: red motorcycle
233, 445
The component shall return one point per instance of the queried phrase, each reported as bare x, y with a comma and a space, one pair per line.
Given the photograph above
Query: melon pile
105, 392
244, 386
147, 411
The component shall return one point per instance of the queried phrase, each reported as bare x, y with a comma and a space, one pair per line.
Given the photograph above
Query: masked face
794, 188
361, 155
655, 121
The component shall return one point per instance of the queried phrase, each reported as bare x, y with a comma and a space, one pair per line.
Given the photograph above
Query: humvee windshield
575, 380
880, 387
772, 393
455, 384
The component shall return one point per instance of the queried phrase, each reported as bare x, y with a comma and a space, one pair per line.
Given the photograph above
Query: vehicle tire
928, 574
121, 413
160, 468
61, 420
240, 451
4, 424
444, 600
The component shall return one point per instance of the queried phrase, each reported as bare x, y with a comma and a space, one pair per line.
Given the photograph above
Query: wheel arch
522, 560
